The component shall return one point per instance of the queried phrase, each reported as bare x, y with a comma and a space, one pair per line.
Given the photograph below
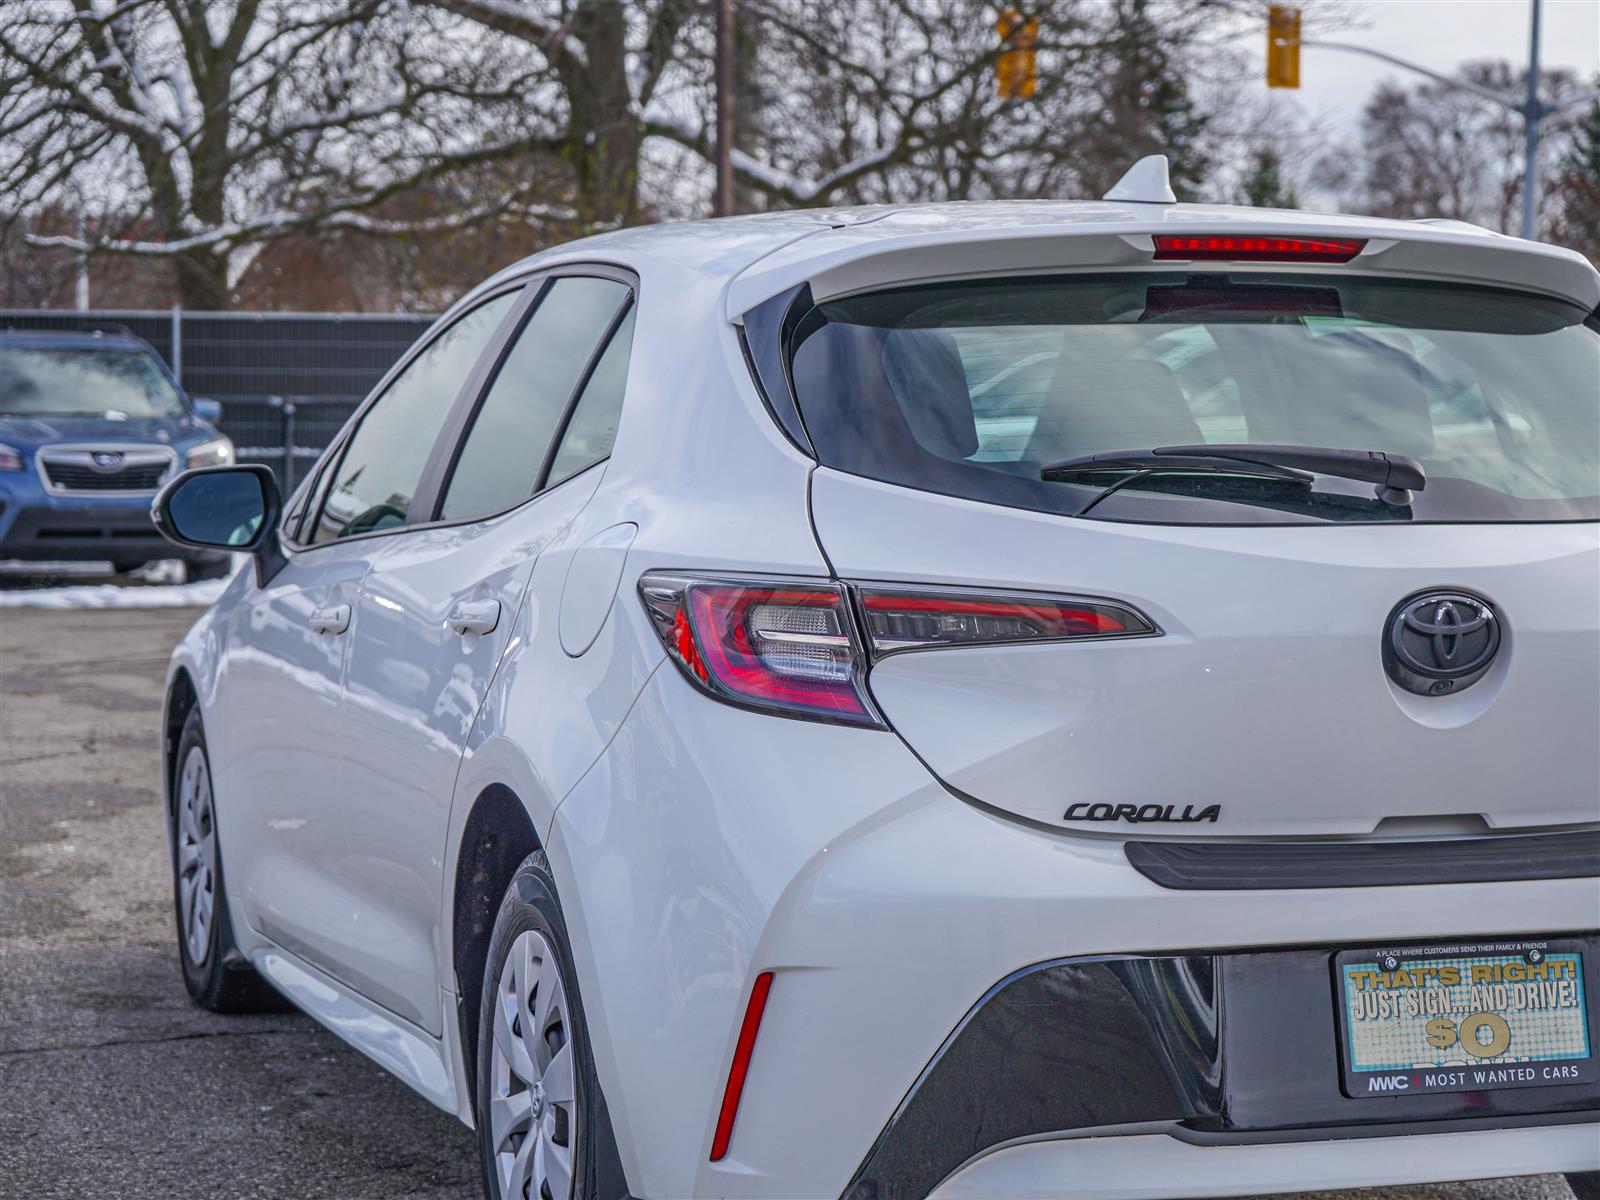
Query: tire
126, 566
215, 973
207, 569
1585, 1185
543, 1130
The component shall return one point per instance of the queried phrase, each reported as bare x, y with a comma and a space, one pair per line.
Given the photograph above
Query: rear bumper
1155, 1166
1231, 1048
887, 910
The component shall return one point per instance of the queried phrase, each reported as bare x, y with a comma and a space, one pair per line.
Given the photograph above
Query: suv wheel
543, 1129
215, 973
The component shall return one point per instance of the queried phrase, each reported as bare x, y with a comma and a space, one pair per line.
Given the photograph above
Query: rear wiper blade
1396, 475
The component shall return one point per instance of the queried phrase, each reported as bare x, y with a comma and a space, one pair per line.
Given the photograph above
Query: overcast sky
1441, 34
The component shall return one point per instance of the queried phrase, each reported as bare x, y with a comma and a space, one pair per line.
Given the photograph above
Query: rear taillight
1234, 248
784, 645
802, 647
914, 619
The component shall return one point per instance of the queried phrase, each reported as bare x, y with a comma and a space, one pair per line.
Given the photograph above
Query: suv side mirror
224, 508
209, 411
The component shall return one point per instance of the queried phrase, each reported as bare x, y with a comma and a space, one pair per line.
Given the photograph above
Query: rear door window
971, 389
504, 451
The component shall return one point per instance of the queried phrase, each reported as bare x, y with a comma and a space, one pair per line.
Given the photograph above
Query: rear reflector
906, 619
1208, 247
741, 1065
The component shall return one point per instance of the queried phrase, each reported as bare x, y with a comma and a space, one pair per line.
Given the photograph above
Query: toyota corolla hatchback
975, 700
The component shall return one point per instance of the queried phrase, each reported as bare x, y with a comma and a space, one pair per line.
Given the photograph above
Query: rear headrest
1355, 390
924, 372
1125, 404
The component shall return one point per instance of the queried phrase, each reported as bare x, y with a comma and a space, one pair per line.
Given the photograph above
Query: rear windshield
970, 389
60, 382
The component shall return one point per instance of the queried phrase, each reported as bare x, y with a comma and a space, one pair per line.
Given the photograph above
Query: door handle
475, 616
333, 619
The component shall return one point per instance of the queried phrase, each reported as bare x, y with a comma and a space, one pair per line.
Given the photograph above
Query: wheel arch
497, 836
182, 699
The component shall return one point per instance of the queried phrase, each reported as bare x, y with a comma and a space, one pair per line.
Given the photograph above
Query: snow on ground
158, 585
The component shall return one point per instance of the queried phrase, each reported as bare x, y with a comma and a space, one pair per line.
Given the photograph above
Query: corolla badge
107, 460
1436, 643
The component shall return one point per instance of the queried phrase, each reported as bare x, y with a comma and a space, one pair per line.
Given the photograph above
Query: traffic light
1016, 72
1283, 47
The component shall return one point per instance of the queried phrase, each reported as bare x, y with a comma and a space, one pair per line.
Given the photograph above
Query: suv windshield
55, 381
971, 389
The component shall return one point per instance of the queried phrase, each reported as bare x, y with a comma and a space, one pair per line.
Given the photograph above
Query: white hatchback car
974, 700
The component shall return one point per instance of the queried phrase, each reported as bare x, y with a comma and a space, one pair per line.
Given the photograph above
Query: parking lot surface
111, 1082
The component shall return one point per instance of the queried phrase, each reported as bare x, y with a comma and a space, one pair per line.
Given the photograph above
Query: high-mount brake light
783, 645
914, 619
1218, 248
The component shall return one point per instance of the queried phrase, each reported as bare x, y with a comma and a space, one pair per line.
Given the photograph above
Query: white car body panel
695, 844
1171, 1170
992, 722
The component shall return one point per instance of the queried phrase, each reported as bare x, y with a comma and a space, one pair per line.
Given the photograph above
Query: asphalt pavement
112, 1084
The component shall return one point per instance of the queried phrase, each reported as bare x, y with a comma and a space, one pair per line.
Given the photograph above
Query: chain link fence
287, 382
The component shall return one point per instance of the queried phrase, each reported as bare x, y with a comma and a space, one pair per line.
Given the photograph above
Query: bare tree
861, 100
1431, 150
198, 131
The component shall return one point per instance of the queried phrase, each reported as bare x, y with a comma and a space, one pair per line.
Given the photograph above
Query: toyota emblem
1437, 643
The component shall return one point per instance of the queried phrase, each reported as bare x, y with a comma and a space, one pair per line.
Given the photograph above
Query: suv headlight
10, 458
216, 453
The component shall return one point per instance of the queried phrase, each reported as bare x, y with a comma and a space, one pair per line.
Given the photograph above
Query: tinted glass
44, 382
970, 389
374, 483
592, 429
500, 459
218, 508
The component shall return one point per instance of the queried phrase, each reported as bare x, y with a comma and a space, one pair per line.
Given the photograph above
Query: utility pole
723, 203
1533, 112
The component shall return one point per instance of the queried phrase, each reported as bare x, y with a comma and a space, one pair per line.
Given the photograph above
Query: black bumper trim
1232, 866
1221, 1047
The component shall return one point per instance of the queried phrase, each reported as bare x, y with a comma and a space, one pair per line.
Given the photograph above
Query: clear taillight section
802, 647
913, 619
783, 645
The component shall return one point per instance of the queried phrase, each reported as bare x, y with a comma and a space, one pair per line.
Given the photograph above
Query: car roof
840, 250
73, 339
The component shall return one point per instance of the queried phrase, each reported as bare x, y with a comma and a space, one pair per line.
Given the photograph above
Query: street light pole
1532, 115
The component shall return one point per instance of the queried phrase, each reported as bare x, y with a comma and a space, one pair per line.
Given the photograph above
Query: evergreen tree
1578, 184
1263, 185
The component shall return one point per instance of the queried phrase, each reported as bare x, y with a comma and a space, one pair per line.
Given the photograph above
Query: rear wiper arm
1396, 475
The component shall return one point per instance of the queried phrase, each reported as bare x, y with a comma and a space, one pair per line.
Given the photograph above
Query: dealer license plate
1463, 1018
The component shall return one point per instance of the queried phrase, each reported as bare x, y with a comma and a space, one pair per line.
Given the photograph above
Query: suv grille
76, 471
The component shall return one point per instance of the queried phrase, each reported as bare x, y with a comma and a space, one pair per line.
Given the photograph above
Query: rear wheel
216, 975
543, 1129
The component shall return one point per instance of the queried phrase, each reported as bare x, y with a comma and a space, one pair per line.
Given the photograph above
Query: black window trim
429, 491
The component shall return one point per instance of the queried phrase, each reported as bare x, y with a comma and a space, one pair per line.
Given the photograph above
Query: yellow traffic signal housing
1283, 47
1016, 70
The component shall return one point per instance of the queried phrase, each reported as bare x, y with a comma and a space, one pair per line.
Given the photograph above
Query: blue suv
91, 426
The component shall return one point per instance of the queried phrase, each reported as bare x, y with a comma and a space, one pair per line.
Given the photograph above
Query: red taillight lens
782, 645
1209, 247
907, 619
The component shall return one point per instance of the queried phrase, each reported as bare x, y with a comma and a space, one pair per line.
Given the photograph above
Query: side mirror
224, 508
209, 411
